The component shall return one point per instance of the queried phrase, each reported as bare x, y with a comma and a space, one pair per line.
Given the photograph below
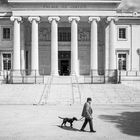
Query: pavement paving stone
26, 122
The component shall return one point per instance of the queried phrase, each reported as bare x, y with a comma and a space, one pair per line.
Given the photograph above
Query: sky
130, 5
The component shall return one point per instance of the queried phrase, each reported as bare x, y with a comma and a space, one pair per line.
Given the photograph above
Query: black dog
69, 120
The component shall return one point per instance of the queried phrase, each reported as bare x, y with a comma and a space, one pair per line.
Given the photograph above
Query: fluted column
16, 44
94, 45
22, 50
74, 45
34, 46
112, 42
54, 44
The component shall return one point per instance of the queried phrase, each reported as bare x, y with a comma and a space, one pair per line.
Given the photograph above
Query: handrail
48, 89
78, 88
45, 92
42, 95
72, 91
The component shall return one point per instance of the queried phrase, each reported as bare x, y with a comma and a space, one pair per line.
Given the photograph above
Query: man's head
89, 100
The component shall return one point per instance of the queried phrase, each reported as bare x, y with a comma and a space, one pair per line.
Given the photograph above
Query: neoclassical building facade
68, 37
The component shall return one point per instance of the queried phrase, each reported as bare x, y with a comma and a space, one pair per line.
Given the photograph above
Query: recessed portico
50, 29
54, 35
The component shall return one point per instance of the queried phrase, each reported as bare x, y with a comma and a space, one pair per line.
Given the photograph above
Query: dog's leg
71, 125
62, 124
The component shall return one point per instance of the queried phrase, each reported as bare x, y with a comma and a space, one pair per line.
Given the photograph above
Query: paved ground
27, 122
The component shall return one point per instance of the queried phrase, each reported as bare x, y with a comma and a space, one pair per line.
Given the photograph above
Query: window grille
6, 61
64, 34
122, 33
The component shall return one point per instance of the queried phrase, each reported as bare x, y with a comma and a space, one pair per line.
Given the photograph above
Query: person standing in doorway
87, 114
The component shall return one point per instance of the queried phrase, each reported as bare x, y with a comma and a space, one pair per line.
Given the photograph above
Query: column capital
53, 18
112, 18
94, 18
37, 19
12, 18
74, 18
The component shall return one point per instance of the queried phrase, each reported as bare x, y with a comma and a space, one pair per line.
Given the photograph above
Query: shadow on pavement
127, 122
68, 128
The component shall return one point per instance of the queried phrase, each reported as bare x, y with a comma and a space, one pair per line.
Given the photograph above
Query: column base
54, 74
35, 73
74, 74
16, 77
16, 73
94, 73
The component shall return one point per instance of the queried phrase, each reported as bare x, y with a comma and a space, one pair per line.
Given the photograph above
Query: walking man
87, 114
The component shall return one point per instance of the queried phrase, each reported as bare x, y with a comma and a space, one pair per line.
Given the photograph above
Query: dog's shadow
68, 128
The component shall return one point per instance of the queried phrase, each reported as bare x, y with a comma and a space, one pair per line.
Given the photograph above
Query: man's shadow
68, 128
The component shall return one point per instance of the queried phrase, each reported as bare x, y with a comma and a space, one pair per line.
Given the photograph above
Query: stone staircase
63, 90
110, 94
20, 94
76, 91
66, 90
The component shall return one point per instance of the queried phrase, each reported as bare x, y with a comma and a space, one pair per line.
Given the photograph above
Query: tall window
64, 34
123, 58
6, 33
6, 61
122, 33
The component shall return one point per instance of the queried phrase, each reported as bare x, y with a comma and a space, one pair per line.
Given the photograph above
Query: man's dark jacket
87, 111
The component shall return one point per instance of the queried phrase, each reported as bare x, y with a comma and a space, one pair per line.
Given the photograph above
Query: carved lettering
64, 6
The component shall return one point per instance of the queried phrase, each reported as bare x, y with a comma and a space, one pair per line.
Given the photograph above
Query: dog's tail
60, 117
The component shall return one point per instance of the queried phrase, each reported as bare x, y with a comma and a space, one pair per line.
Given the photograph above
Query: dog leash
81, 119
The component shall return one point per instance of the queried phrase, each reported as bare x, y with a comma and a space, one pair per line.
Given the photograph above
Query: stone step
20, 94
69, 93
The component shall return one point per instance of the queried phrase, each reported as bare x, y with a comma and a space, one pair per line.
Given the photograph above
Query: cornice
64, 1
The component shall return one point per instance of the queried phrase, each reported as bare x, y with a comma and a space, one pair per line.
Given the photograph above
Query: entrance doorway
64, 62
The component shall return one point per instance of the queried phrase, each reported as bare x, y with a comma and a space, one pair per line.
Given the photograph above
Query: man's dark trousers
88, 120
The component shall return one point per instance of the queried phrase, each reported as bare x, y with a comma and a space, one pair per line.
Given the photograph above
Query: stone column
112, 42
16, 44
34, 46
74, 45
54, 44
22, 50
94, 45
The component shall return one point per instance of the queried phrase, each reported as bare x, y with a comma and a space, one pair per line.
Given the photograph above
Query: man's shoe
93, 131
82, 130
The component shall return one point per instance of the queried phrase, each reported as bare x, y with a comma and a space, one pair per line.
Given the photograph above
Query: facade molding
74, 18
94, 18
115, 19
37, 19
66, 1
13, 18
64, 13
53, 18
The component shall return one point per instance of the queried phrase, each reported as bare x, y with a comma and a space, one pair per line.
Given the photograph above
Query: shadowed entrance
64, 62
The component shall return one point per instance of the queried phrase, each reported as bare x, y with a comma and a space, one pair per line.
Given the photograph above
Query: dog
69, 120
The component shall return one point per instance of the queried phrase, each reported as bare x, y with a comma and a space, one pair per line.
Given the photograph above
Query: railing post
119, 82
104, 76
35, 76
22, 74
43, 79
91, 76
120, 68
